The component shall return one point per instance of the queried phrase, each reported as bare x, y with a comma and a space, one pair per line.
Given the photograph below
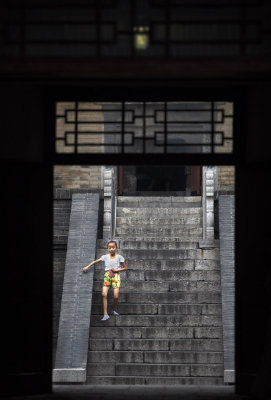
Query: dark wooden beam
84, 68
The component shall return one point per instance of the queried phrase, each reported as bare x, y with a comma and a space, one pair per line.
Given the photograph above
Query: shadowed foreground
76, 392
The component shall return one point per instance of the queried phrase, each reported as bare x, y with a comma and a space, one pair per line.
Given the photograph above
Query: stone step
129, 275
157, 345
155, 357
130, 344
61, 211
157, 265
163, 309
162, 297
60, 233
169, 370
170, 327
178, 199
61, 238
158, 230
182, 357
158, 201
102, 243
164, 286
157, 211
161, 380
186, 221
174, 297
61, 221
143, 369
159, 320
167, 265
180, 254
206, 276
158, 275
154, 244
115, 357
155, 193
180, 332
162, 265
129, 309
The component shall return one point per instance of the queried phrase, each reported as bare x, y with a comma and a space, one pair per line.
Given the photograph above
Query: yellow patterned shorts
114, 282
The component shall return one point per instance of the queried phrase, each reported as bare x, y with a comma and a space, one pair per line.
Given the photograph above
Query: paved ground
87, 392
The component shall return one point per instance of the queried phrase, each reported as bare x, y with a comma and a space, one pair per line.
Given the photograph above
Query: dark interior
32, 80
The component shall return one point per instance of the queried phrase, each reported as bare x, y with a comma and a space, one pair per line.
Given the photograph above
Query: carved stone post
109, 202
208, 184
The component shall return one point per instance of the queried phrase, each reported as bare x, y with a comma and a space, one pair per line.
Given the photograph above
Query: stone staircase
170, 327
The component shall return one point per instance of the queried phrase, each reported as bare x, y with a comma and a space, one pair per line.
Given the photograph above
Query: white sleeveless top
112, 262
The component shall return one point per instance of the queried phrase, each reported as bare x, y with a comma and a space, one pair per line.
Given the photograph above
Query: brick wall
77, 177
225, 178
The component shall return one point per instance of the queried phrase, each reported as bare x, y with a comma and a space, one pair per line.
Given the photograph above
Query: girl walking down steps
114, 263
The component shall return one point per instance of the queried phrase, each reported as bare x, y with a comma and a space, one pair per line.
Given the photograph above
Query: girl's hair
112, 241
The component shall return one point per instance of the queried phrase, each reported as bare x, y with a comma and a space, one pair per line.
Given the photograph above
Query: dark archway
32, 164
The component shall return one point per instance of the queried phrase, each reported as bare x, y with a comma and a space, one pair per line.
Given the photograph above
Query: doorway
173, 180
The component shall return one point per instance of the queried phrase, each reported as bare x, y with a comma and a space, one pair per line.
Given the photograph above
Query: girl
114, 263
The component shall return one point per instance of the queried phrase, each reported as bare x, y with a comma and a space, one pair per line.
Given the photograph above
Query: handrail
75, 314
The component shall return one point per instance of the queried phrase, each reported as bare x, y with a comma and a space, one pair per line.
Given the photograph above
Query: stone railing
110, 189
208, 186
75, 313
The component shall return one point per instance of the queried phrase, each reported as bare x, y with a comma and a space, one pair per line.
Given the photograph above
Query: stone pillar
208, 183
109, 202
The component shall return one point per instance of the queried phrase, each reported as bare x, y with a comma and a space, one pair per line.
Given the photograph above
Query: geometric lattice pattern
144, 127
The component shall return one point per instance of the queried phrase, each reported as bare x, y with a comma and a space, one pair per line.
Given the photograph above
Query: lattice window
144, 127
134, 28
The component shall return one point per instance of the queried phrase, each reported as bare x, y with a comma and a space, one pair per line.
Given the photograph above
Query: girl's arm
89, 265
124, 268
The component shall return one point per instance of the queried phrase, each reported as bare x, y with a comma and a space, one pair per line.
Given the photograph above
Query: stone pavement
119, 392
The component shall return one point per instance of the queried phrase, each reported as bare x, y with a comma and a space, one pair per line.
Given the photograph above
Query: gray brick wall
227, 261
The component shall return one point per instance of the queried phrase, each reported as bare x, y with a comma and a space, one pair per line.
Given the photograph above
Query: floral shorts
114, 282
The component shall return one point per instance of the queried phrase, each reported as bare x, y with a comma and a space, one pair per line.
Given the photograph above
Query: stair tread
158, 326
170, 210
160, 198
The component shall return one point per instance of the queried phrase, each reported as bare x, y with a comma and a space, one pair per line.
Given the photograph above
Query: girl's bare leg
104, 295
116, 299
